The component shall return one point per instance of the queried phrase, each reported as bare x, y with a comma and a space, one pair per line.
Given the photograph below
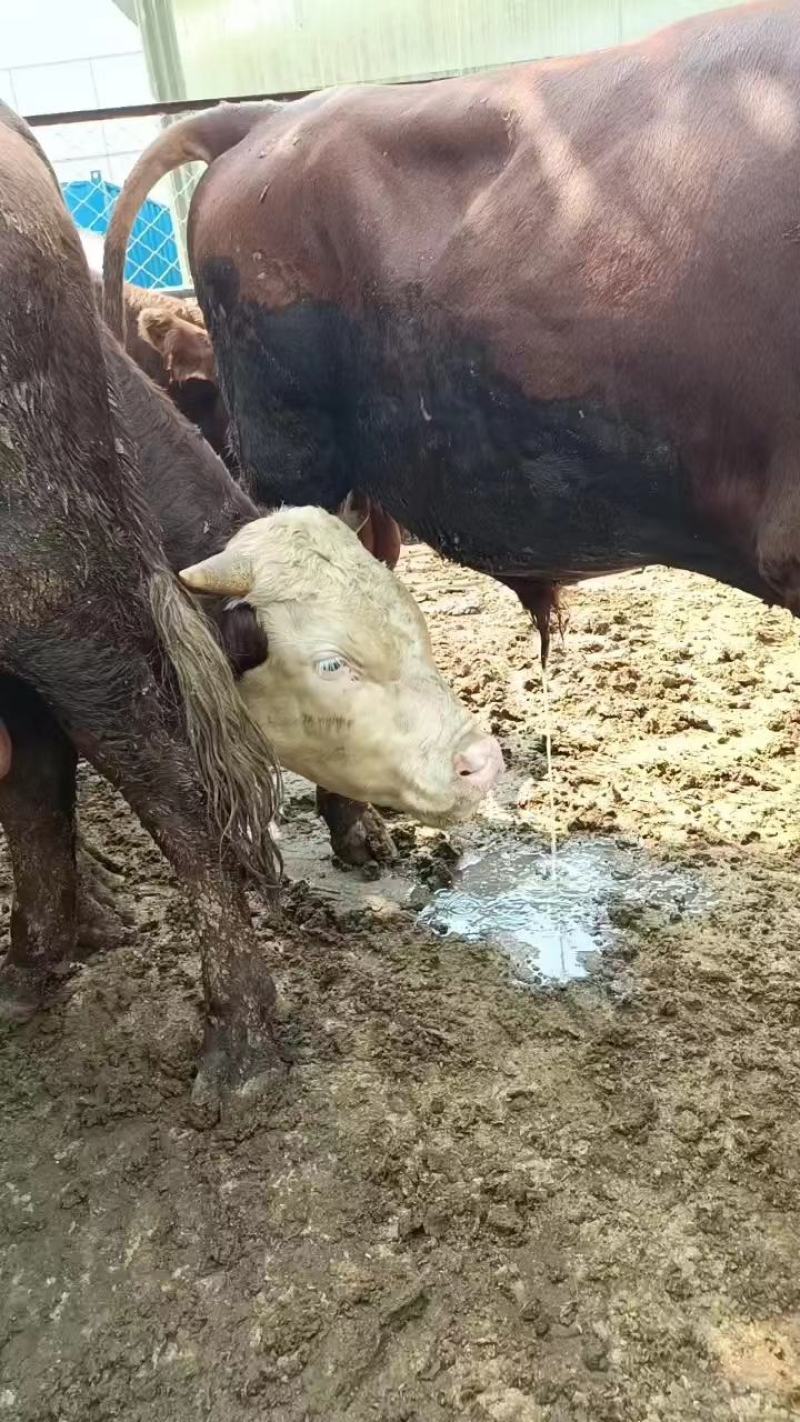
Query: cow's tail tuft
237, 765
200, 138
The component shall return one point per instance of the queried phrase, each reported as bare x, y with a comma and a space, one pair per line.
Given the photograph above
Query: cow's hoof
24, 992
365, 840
102, 922
237, 1078
20, 996
100, 930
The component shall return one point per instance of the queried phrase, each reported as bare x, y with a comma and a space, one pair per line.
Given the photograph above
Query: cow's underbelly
509, 484
515, 487
557, 489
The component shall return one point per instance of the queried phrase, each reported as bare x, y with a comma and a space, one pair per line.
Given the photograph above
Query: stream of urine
551, 795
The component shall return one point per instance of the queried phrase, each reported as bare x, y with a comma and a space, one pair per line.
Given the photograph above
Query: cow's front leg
358, 834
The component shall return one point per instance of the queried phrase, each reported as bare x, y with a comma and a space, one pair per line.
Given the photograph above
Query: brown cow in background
167, 338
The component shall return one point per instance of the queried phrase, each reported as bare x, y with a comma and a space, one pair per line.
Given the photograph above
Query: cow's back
60, 454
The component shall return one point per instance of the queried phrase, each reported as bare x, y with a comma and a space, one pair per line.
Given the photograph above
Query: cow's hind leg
160, 781
62, 908
37, 812
778, 533
141, 747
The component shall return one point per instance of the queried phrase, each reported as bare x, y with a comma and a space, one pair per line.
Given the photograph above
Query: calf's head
347, 690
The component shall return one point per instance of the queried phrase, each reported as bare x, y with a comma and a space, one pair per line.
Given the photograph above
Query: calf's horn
225, 574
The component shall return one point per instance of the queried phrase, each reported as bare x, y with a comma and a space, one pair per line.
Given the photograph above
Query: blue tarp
153, 259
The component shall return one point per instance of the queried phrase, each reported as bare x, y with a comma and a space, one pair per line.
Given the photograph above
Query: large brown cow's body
549, 317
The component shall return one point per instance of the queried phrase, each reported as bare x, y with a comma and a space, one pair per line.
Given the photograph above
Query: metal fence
92, 157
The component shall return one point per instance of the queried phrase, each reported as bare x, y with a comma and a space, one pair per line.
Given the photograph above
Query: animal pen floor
475, 1199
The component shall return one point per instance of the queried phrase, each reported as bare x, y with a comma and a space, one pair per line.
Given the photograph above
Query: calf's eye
330, 666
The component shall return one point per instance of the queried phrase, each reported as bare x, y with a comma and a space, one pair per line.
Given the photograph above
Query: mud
476, 1199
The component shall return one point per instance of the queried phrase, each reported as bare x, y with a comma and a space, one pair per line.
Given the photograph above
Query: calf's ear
243, 639
354, 511
225, 574
185, 348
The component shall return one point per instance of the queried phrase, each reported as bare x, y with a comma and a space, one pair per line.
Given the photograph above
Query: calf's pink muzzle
480, 765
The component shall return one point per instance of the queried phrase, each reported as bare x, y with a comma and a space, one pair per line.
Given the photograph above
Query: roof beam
128, 8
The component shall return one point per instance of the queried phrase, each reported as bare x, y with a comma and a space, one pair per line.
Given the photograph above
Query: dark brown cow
548, 316
102, 654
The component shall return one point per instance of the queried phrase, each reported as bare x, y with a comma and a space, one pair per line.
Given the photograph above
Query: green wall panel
230, 47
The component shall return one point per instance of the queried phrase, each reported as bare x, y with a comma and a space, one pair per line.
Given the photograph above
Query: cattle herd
547, 319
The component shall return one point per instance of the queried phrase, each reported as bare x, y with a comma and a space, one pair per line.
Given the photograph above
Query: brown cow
101, 652
547, 316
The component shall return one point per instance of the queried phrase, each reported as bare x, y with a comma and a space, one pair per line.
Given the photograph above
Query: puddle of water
555, 928
505, 894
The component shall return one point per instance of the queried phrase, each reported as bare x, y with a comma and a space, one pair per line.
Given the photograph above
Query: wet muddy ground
538, 1155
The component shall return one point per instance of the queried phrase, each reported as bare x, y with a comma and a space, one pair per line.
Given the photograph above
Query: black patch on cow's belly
401, 408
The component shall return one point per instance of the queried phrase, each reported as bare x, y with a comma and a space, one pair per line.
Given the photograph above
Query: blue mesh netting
153, 259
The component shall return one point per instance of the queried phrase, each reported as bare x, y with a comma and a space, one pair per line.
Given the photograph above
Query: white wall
77, 54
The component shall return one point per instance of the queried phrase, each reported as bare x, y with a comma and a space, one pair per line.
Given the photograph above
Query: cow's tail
238, 768
198, 139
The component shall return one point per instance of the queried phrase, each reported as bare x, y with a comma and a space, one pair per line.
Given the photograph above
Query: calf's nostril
470, 762
480, 762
